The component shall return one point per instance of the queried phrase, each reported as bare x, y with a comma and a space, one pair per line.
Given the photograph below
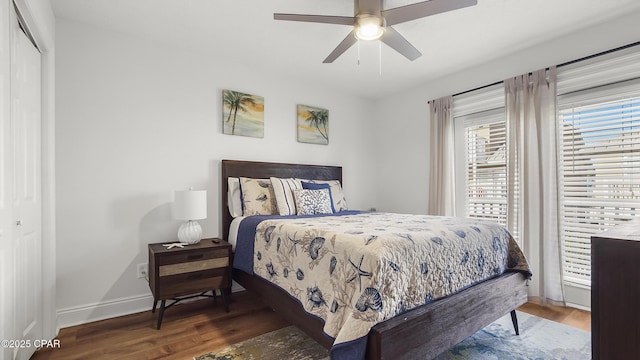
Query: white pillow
257, 197
283, 190
339, 201
312, 202
234, 197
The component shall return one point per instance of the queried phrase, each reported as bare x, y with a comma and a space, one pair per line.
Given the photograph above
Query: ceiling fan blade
372, 7
341, 48
397, 42
422, 9
324, 19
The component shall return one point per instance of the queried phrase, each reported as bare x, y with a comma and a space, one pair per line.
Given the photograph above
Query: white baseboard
103, 310
578, 306
84, 314
577, 296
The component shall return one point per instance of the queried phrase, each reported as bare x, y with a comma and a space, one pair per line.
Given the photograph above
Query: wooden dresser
615, 293
198, 268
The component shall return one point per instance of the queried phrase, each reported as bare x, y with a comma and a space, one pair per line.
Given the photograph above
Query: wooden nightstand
198, 268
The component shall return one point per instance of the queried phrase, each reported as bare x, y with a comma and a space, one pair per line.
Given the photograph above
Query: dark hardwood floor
199, 327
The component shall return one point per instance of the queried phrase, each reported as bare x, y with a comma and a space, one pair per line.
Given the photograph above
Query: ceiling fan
371, 22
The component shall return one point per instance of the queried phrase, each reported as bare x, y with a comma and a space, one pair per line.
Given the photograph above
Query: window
598, 158
486, 167
600, 171
481, 162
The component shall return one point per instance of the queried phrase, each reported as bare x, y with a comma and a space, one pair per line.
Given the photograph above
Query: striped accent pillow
283, 190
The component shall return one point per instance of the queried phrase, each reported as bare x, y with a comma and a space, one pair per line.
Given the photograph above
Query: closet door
6, 205
27, 189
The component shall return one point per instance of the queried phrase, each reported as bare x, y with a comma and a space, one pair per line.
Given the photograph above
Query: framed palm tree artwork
243, 114
313, 125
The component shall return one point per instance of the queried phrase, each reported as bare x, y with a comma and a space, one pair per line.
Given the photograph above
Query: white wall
136, 121
402, 120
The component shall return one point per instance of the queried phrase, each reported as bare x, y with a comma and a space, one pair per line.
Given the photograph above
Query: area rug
287, 343
539, 339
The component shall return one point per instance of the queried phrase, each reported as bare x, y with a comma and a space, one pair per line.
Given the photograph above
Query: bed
421, 332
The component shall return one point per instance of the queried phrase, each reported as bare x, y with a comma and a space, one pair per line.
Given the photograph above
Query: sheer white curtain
533, 181
441, 149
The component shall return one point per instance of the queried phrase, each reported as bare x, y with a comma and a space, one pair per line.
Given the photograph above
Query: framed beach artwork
242, 114
313, 125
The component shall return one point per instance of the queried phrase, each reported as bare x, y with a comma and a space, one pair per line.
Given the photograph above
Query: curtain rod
561, 65
478, 88
600, 53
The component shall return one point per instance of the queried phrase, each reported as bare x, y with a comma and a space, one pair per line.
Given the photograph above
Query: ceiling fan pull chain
358, 52
380, 56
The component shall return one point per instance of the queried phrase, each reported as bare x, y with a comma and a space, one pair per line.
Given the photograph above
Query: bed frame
423, 332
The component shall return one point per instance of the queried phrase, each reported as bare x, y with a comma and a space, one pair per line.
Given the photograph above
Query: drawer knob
195, 256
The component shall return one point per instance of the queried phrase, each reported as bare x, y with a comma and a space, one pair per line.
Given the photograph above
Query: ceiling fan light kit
369, 27
371, 22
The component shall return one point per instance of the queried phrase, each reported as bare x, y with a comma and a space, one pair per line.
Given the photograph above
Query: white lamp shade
190, 205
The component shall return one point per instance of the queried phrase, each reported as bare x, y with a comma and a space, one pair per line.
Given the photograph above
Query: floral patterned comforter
357, 270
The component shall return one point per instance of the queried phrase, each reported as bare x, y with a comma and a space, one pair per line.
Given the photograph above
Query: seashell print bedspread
357, 270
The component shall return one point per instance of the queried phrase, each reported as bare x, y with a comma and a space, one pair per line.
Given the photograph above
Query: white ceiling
243, 31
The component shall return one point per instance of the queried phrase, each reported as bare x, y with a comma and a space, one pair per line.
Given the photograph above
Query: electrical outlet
142, 270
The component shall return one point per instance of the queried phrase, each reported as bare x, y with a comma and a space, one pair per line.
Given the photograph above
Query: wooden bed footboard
420, 333
427, 331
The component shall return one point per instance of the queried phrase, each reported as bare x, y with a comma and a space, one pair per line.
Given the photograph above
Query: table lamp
190, 205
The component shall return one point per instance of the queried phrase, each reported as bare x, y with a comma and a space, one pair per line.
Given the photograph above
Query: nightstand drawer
192, 266
189, 283
192, 256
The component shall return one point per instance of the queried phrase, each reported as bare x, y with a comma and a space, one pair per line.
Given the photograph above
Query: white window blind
481, 166
612, 67
486, 166
599, 169
487, 98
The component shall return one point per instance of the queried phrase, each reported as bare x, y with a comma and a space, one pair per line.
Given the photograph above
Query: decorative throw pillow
314, 186
234, 198
311, 202
337, 196
257, 197
283, 190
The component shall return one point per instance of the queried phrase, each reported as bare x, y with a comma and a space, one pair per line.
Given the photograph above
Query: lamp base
190, 232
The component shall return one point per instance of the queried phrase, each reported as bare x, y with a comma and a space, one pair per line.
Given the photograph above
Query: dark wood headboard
264, 170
